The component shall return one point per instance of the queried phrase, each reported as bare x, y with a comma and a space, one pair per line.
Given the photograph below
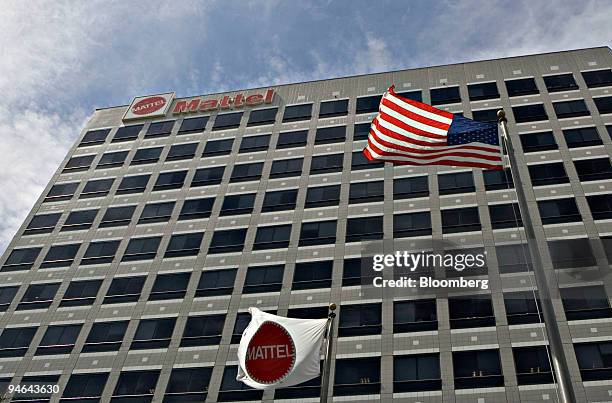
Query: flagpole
328, 350
559, 361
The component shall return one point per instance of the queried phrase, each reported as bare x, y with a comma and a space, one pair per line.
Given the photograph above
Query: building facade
130, 278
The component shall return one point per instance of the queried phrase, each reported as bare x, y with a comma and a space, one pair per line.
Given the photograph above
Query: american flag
408, 132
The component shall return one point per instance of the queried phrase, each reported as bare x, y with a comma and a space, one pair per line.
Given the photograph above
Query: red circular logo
148, 105
270, 354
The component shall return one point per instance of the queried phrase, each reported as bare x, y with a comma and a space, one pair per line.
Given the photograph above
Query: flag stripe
425, 121
391, 152
464, 163
424, 109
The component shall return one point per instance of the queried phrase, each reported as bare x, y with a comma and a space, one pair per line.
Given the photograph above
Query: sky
62, 59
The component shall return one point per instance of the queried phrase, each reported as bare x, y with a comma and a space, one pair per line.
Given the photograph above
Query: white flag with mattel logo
277, 352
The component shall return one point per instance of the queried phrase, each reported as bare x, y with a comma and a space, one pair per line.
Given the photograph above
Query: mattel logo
226, 102
149, 106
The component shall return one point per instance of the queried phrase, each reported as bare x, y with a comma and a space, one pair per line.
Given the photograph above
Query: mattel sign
149, 106
226, 102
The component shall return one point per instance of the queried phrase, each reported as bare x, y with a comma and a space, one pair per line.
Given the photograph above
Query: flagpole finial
332, 307
501, 116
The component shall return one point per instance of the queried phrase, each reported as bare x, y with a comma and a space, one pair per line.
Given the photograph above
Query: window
146, 156
96, 188
279, 200
188, 384
105, 336
238, 204
127, 133
141, 248
170, 180
42, 224
523, 86
414, 316
38, 296
100, 252
361, 131
254, 143
286, 168
461, 182
297, 112
352, 272
124, 289
533, 142
263, 279
411, 224
445, 95
513, 258
203, 331
184, 245
6, 297
60, 255
333, 108
485, 115
21, 259
292, 139
193, 125
522, 307
136, 386
326, 163
79, 220
323, 196
32, 382
589, 302
359, 161
482, 91
318, 233
112, 159
368, 104
153, 333
272, 237
182, 152
216, 282
532, 365
560, 82
262, 117
85, 387
308, 275
360, 320
594, 360
160, 129
133, 184
218, 147
416, 372
313, 312
603, 104
364, 228
414, 95
14, 342
357, 376
468, 312
231, 240
593, 169
366, 192
529, 113
247, 172
156, 212
570, 109
59, 339
232, 390
498, 179
477, 369
571, 253
207, 176
548, 174
227, 121
460, 220
408, 188
80, 293
117, 216
62, 191
196, 208
169, 286
80, 163
582, 137
559, 211
505, 216
601, 206
94, 137
326, 135
598, 78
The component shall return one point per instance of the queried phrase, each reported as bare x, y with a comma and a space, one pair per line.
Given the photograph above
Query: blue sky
61, 59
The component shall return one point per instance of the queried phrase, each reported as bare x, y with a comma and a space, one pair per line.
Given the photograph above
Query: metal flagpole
328, 351
560, 367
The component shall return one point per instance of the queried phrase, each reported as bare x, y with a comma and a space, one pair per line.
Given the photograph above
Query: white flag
276, 351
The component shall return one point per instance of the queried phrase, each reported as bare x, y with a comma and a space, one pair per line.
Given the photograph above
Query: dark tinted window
81, 293
112, 159
411, 224
182, 151
571, 253
460, 182
169, 286
560, 82
570, 109
529, 113
246, 172
117, 216
238, 204
96, 188
558, 211
153, 333
203, 330
477, 369
263, 279
133, 184
361, 131
359, 161
292, 139
146, 156
196, 208
308, 275
333, 108
141, 248
286, 167
590, 302
593, 169
505, 216
323, 196
416, 372
363, 229
262, 117
582, 137
326, 163
158, 129
597, 78
483, 91
124, 289
495, 179
134, 384
601, 206
318, 233
460, 220
603, 104
207, 176
234, 390
62, 191
227, 121
184, 245
467, 312
127, 133
78, 220
594, 360
216, 282
414, 316
513, 258
368, 104
156, 212
21, 259
445, 95
231, 240
407, 188
523, 86
81, 163
60, 255
170, 180
193, 125
6, 297
94, 137
14, 342
297, 112
272, 237
522, 307
486, 115
254, 143
218, 147
58, 339
538, 142
364, 192
360, 320
85, 386
279, 200
414, 95
357, 376
548, 174
38, 296
100, 252
532, 365
333, 134
42, 223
